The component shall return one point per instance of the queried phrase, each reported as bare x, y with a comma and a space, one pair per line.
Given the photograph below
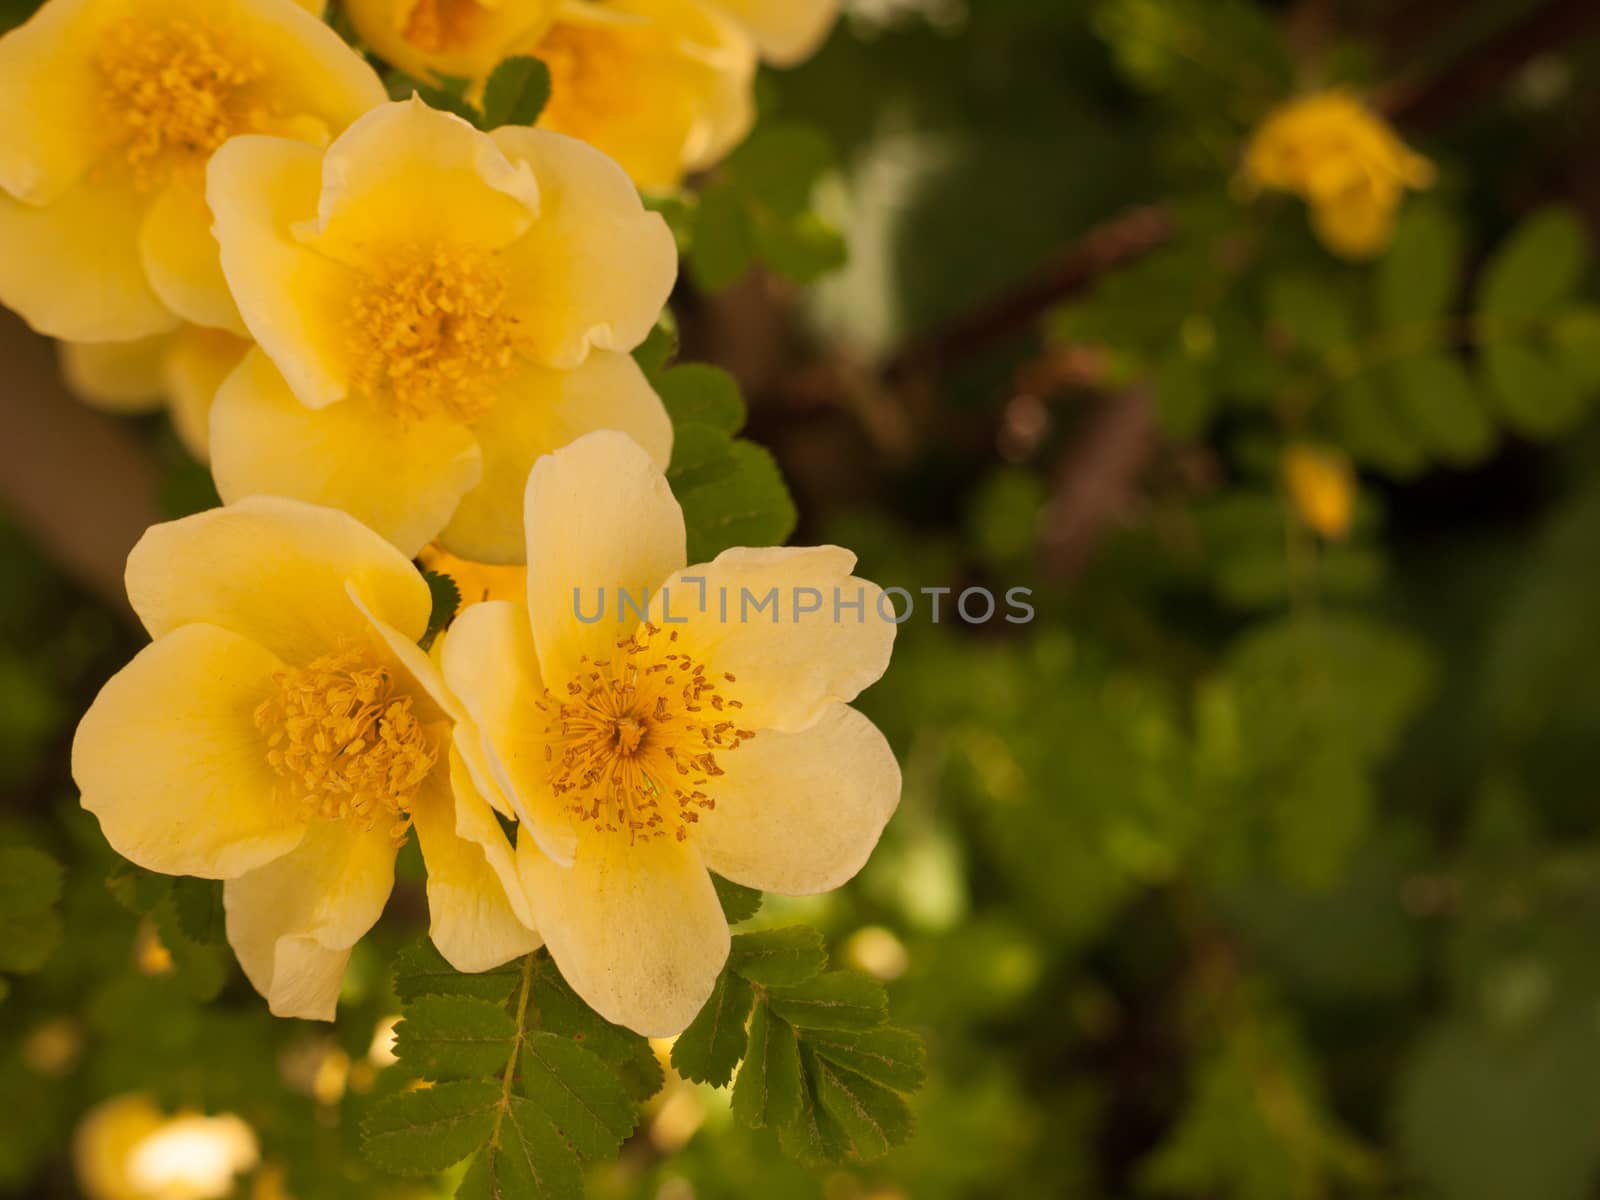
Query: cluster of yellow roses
415, 330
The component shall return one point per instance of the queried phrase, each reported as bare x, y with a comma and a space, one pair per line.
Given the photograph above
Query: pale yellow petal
461, 39
636, 930
181, 258
540, 411
595, 270
198, 362
124, 377
295, 302
599, 517
72, 269
276, 571
292, 923
169, 758
401, 478
491, 665
799, 813
433, 701
472, 918
791, 624
787, 31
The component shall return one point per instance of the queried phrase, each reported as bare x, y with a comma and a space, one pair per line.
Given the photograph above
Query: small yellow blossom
181, 371
438, 39
126, 1148
664, 87
787, 32
434, 307
1344, 161
282, 733
640, 753
112, 111
1322, 488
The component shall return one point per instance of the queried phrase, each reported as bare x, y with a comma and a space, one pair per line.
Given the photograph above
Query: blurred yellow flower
1344, 161
438, 39
283, 732
434, 308
476, 581
787, 32
126, 1148
1322, 488
113, 110
664, 87
638, 754
181, 371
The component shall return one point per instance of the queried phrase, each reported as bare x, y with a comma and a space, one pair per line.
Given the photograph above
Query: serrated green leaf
561, 1011
1533, 394
420, 970
641, 1074
199, 908
767, 1090
700, 394
837, 1000
870, 1115
137, 890
516, 92
723, 245
529, 1161
454, 1037
812, 1136
429, 1130
1536, 271
895, 1058
201, 968
1438, 402
445, 594
748, 506
739, 903
709, 1049
579, 1092
1419, 278
779, 957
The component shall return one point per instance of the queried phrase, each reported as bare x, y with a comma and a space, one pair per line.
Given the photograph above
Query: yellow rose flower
113, 108
1344, 161
665, 87
126, 1148
787, 32
283, 732
639, 755
436, 39
1322, 489
180, 370
434, 307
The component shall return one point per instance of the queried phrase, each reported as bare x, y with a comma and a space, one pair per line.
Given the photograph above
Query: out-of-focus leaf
1535, 272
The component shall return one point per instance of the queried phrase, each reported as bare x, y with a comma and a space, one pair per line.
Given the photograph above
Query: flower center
176, 91
436, 25
429, 333
633, 743
585, 64
344, 743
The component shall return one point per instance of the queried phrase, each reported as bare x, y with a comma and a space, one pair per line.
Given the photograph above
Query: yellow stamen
429, 333
345, 743
633, 742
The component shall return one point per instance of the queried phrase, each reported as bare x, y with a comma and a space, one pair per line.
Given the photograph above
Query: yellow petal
799, 813
600, 517
197, 363
787, 31
295, 302
121, 377
170, 759
1357, 225
596, 268
540, 411
636, 930
181, 257
402, 479
276, 571
292, 923
792, 625
72, 269
463, 39
408, 175
490, 663
433, 700
472, 920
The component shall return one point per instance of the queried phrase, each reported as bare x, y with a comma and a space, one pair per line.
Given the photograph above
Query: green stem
516, 1050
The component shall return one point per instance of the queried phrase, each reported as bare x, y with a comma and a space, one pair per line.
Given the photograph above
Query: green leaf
723, 244
580, 1094
429, 1130
1185, 399
779, 957
1575, 339
1370, 428
658, 350
30, 886
709, 1049
198, 903
1437, 400
811, 1135
739, 903
781, 165
701, 455
446, 596
767, 1091
802, 249
837, 1000
449, 98
530, 1160
1310, 311
420, 970
516, 93
895, 1058
1536, 398
870, 1115
1418, 279
454, 1037
561, 1011
1537, 270
748, 506
697, 393
136, 889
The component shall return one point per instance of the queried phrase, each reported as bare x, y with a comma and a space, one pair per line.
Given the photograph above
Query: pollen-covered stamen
429, 332
178, 91
633, 743
346, 743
